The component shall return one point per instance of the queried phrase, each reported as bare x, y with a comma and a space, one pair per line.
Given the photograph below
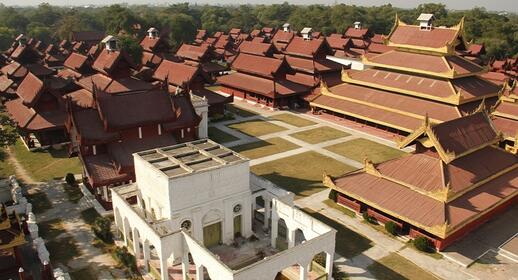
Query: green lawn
358, 149
240, 111
348, 242
51, 229
218, 135
265, 148
256, 127
46, 165
6, 167
302, 173
214, 88
319, 134
395, 267
40, 202
292, 119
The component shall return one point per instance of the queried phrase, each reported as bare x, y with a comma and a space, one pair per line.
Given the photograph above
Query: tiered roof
423, 72
454, 178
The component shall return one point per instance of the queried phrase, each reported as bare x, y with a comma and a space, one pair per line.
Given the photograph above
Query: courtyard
294, 150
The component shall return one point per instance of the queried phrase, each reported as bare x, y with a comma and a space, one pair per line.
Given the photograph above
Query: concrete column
126, 231
136, 243
291, 237
267, 213
164, 275
199, 272
147, 254
304, 272
329, 265
275, 230
105, 193
185, 267
246, 217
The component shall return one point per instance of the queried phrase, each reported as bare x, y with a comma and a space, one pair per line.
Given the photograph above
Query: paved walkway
266, 114
100, 263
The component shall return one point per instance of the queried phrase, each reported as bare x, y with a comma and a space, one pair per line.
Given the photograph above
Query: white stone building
200, 207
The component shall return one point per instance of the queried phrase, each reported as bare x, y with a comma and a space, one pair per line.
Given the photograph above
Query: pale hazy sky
492, 5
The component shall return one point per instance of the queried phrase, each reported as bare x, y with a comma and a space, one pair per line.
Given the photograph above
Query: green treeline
499, 32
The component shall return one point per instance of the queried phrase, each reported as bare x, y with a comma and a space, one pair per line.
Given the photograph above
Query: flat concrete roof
191, 157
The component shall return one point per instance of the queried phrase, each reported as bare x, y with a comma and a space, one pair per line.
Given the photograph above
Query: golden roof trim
453, 99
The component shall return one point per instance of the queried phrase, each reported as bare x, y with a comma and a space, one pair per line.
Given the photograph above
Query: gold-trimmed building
456, 180
422, 75
505, 117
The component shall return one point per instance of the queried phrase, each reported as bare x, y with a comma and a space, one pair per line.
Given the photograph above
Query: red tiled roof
251, 47
101, 170
193, 52
202, 33
363, 111
75, 61
359, 33
377, 38
177, 73
468, 87
437, 37
257, 65
313, 66
378, 48
148, 107
14, 70
113, 86
81, 98
308, 48
464, 134
424, 62
149, 44
122, 152
508, 127
261, 85
419, 209
30, 90
108, 60
336, 41
283, 37
28, 119
91, 128
150, 59
5, 83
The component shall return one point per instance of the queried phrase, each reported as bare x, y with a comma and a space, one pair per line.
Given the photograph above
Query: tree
215, 19
116, 18
12, 19
132, 47
8, 134
40, 32
102, 229
7, 36
45, 14
182, 28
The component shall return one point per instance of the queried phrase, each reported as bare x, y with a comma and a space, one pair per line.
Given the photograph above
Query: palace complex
422, 75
